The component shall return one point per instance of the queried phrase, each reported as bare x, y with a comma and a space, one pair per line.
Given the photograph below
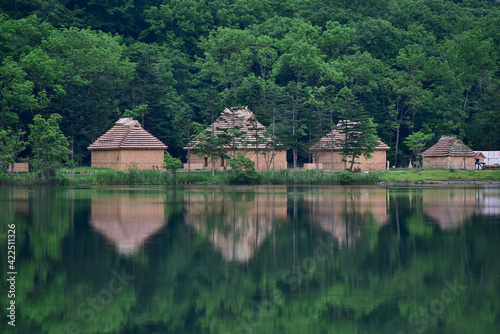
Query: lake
251, 259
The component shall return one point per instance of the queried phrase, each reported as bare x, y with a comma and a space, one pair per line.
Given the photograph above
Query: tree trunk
397, 145
331, 138
213, 166
213, 157
294, 151
256, 149
274, 139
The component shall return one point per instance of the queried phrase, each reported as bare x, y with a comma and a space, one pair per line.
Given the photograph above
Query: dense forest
410, 65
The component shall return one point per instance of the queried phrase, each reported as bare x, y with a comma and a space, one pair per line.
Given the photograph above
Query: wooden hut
322, 154
251, 140
449, 152
19, 167
127, 145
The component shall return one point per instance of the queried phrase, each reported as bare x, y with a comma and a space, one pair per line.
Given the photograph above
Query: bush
345, 178
242, 171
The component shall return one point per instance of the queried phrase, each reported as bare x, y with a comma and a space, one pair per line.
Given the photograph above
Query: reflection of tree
243, 220
127, 220
375, 286
48, 292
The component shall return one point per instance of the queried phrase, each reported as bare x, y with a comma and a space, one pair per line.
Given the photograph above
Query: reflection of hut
450, 208
19, 199
490, 199
449, 152
322, 153
251, 140
126, 220
241, 224
346, 216
127, 144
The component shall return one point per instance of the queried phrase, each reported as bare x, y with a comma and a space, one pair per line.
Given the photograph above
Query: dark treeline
411, 65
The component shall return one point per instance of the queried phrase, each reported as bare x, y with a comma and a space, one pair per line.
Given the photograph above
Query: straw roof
449, 146
337, 138
127, 134
243, 120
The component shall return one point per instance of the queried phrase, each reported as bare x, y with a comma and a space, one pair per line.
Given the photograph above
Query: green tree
171, 163
213, 143
48, 144
359, 133
242, 170
228, 60
416, 143
95, 72
405, 91
301, 62
11, 145
16, 93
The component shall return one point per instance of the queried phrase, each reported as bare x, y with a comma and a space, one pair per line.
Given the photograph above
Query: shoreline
92, 176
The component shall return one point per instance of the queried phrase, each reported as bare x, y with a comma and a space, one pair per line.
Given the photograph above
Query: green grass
104, 176
436, 175
300, 176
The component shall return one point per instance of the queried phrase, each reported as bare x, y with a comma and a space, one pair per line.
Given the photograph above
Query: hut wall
449, 162
145, 159
199, 162
279, 159
376, 162
20, 167
122, 159
105, 159
313, 166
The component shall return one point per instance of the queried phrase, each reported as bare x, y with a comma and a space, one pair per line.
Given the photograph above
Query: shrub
242, 171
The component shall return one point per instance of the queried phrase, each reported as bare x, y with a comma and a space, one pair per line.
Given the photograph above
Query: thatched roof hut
243, 120
321, 152
450, 152
251, 139
125, 145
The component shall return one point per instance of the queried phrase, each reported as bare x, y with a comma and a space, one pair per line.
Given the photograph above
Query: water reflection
236, 222
385, 270
346, 214
450, 208
127, 220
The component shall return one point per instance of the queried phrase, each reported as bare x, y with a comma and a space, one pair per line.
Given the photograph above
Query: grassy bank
102, 176
405, 175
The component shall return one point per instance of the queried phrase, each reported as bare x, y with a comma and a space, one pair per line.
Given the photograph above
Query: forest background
410, 65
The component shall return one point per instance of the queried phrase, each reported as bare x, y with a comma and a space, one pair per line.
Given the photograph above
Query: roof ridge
127, 134
245, 121
448, 146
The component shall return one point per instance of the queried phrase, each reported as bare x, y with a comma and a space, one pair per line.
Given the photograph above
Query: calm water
263, 259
